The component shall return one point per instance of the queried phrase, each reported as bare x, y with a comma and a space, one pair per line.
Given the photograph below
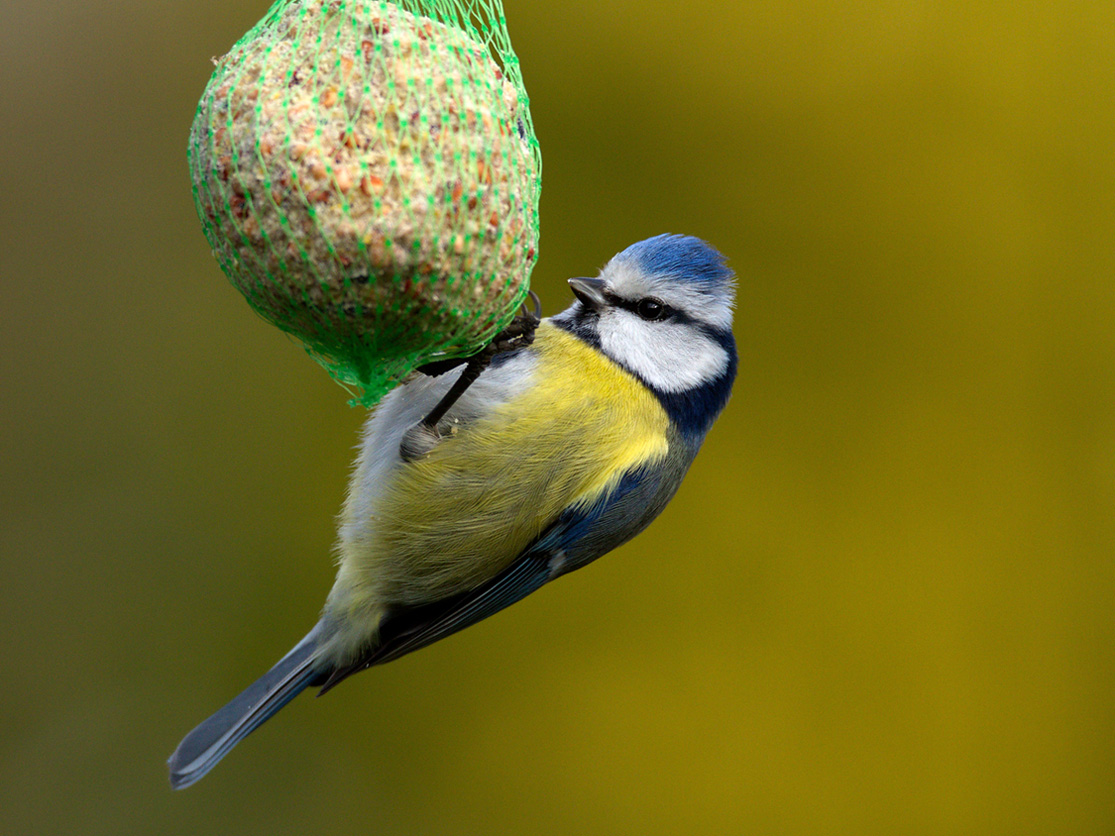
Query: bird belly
453, 519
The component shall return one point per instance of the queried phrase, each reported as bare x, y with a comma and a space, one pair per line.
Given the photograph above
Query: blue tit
559, 452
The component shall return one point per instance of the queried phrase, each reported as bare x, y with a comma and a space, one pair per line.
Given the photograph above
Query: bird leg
424, 436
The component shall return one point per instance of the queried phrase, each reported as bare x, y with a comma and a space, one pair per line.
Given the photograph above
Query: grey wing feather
406, 630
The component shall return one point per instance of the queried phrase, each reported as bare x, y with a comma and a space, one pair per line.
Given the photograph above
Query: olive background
882, 601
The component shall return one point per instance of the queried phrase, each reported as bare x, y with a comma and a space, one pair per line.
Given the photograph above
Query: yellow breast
455, 518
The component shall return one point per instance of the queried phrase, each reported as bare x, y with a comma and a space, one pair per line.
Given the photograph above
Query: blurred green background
884, 600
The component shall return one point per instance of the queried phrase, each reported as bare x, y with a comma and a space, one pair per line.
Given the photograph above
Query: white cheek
670, 357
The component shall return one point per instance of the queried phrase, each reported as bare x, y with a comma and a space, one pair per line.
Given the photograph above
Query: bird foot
424, 436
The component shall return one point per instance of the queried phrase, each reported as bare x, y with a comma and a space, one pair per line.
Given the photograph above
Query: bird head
662, 309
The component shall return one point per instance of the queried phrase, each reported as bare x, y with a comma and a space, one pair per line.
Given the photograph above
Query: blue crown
682, 256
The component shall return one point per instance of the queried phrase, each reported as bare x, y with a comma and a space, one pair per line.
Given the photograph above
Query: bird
557, 453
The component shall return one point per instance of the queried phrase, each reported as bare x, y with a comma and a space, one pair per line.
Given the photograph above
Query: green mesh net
368, 176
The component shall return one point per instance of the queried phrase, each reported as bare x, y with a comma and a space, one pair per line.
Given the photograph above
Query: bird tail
202, 748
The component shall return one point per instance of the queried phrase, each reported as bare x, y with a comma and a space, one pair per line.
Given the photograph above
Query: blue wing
582, 535
577, 537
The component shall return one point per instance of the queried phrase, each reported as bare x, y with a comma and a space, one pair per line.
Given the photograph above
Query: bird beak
589, 291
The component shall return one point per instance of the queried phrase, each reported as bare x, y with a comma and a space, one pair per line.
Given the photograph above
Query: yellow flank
457, 517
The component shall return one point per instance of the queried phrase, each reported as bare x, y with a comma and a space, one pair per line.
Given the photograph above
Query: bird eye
651, 309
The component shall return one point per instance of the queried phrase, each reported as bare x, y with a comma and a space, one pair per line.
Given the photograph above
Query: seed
370, 183
361, 156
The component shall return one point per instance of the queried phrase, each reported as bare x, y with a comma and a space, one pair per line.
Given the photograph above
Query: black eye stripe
634, 307
614, 300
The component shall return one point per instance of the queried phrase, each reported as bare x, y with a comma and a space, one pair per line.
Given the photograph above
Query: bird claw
519, 333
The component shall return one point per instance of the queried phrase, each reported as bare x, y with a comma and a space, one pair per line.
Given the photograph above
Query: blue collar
693, 411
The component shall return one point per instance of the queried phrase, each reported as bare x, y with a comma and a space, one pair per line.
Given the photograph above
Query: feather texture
556, 454
442, 525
